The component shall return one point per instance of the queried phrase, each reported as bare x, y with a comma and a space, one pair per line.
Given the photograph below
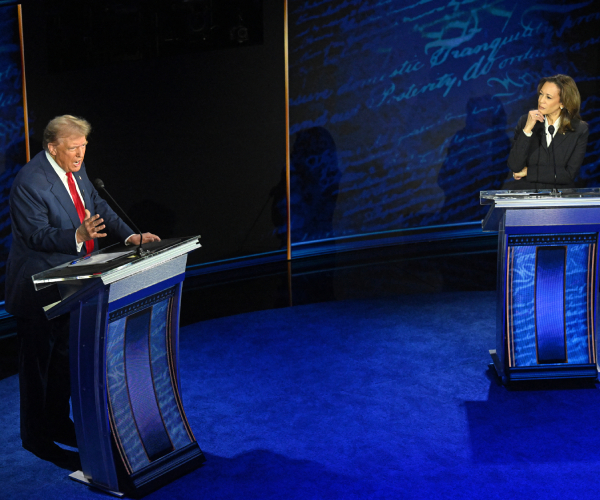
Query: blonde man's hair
63, 126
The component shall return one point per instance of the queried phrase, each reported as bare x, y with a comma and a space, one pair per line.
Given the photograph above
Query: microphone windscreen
99, 184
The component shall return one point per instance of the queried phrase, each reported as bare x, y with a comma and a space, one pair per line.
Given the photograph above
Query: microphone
140, 252
551, 131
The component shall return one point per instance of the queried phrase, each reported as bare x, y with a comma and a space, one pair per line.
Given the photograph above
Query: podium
546, 282
132, 432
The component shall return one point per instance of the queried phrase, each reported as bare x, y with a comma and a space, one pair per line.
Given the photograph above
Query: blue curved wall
401, 112
12, 128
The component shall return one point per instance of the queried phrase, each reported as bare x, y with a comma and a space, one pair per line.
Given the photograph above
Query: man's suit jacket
567, 151
44, 220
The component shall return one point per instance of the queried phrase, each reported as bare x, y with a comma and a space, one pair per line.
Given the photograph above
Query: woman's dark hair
569, 97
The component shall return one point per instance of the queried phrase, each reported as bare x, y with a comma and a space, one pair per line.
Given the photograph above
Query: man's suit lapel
58, 189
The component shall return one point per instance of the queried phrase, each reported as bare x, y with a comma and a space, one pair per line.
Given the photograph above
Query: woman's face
549, 102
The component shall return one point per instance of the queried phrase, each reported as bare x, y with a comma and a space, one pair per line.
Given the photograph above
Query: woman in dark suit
550, 142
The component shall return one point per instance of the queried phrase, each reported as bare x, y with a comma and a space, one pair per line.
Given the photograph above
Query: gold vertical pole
287, 130
25, 112
289, 276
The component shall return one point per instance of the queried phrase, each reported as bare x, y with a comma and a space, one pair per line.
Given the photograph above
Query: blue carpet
384, 398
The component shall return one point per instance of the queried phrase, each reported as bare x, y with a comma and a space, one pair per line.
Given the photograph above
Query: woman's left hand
521, 174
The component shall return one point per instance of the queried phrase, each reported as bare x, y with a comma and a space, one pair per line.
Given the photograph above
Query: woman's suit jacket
566, 151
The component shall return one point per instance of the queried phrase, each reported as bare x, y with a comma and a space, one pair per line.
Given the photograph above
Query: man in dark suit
51, 206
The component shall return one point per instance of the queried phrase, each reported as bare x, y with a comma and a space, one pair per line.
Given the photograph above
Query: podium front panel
132, 432
144, 403
549, 282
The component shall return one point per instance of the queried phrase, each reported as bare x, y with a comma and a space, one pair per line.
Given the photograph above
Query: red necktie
89, 245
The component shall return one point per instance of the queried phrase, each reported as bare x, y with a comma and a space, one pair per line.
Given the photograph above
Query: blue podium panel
547, 282
144, 404
548, 300
550, 331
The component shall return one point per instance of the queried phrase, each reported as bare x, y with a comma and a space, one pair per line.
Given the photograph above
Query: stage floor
374, 386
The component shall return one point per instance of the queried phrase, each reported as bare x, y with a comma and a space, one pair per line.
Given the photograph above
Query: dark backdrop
187, 144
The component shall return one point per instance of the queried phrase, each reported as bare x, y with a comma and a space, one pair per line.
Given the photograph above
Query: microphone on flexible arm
551, 130
140, 252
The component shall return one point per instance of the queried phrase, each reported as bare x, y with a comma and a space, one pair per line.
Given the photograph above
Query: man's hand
134, 239
90, 227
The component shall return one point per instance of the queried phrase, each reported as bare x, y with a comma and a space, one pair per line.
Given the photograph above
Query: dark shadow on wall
475, 161
314, 187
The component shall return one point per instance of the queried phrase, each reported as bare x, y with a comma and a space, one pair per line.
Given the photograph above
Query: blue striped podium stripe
550, 304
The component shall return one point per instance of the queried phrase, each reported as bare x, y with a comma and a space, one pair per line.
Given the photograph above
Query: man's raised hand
90, 228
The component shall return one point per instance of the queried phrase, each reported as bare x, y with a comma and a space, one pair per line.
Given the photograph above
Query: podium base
543, 372
80, 478
498, 367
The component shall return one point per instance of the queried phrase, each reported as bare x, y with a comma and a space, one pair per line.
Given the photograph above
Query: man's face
69, 151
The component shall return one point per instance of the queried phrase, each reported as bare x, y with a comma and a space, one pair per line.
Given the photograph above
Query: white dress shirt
548, 135
62, 175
